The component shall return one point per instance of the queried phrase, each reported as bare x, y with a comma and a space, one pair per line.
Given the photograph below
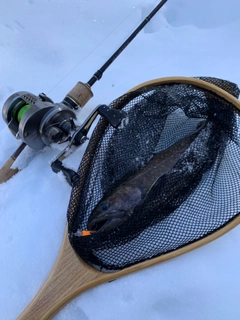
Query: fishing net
197, 197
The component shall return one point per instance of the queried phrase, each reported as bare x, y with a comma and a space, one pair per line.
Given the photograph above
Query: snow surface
47, 46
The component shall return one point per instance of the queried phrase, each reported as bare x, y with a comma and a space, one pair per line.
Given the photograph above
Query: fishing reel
39, 122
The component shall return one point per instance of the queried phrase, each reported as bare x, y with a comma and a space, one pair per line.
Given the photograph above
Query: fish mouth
104, 223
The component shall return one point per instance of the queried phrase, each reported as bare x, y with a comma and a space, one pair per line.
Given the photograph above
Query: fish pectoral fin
163, 178
111, 224
101, 216
104, 222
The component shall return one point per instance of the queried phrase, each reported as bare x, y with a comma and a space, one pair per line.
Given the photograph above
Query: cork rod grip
80, 94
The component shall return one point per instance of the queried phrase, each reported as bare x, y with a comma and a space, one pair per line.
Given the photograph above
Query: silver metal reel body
36, 120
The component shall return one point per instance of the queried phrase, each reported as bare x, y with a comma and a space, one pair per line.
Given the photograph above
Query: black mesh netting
199, 195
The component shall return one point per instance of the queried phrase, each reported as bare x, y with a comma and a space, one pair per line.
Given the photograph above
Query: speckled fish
119, 205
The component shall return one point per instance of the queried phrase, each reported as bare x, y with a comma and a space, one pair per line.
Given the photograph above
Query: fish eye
104, 206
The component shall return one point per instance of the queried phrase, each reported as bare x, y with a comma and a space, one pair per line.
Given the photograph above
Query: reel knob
54, 134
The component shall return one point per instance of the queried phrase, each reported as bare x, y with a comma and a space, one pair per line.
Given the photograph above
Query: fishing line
96, 47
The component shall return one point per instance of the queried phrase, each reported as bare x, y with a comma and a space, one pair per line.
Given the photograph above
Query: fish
118, 206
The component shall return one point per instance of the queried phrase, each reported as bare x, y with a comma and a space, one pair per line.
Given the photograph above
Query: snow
49, 45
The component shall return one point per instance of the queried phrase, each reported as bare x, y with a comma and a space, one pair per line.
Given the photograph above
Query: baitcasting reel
39, 122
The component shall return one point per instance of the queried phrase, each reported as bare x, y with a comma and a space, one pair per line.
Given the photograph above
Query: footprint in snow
14, 26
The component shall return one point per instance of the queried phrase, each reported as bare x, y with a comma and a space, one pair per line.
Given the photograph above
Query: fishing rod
98, 74
39, 122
